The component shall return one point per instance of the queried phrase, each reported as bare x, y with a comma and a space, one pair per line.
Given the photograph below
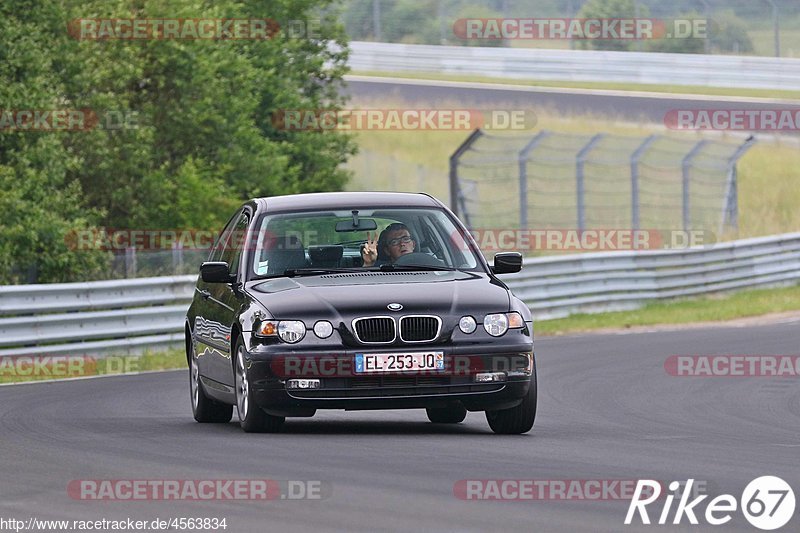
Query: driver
394, 241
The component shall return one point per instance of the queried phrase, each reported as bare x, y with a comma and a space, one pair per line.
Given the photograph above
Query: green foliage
691, 45
198, 139
605, 9
477, 12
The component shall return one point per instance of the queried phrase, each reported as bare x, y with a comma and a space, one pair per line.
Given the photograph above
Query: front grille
419, 328
375, 330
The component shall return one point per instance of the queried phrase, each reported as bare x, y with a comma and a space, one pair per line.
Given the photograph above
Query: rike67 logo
767, 502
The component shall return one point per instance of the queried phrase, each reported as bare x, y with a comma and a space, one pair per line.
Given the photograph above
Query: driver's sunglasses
400, 240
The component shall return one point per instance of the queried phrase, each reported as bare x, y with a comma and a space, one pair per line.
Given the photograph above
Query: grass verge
42, 368
672, 89
715, 308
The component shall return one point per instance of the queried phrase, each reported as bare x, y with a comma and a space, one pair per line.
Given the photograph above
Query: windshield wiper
292, 272
391, 268
295, 272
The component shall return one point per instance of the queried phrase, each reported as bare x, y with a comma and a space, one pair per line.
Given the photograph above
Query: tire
516, 420
205, 409
251, 418
447, 415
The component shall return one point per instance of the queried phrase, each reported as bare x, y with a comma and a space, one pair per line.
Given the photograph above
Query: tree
203, 139
606, 9
40, 205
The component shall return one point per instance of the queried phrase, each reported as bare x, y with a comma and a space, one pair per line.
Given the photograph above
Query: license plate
398, 362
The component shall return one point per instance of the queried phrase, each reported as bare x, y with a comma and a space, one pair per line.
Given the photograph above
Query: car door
226, 299
211, 328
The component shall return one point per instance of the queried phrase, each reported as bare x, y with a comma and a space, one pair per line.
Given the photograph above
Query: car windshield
314, 242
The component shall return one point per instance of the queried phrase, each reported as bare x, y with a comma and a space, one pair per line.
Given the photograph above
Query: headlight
290, 331
495, 324
467, 324
323, 329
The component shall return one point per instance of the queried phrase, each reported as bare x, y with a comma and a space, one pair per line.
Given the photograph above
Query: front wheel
251, 417
518, 419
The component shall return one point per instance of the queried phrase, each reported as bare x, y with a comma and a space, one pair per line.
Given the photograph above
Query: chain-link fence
133, 263
558, 180
760, 27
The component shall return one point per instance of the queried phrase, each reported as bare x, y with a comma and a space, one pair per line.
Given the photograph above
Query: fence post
686, 165
130, 262
376, 20
730, 213
776, 27
454, 188
177, 257
635, 157
579, 177
523, 176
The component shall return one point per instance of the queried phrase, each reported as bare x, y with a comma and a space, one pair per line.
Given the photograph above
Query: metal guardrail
579, 65
127, 316
119, 316
555, 287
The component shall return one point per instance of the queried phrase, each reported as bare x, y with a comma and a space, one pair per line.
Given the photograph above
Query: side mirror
507, 263
215, 272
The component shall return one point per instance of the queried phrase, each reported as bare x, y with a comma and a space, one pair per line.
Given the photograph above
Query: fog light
467, 324
486, 377
323, 329
303, 384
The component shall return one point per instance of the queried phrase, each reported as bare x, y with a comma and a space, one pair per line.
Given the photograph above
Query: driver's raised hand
369, 250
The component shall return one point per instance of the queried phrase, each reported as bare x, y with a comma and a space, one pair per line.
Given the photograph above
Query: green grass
685, 311
15, 370
566, 84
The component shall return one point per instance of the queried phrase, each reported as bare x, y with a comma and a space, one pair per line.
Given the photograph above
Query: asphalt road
608, 410
618, 105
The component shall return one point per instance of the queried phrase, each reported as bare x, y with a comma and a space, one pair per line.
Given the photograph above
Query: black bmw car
357, 301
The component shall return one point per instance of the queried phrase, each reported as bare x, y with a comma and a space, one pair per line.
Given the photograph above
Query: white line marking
81, 378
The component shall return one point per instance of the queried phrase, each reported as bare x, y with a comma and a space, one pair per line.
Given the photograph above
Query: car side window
219, 245
235, 242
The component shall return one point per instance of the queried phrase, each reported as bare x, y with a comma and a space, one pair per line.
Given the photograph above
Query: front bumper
342, 388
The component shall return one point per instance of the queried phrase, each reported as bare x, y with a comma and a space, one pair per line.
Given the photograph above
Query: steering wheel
419, 258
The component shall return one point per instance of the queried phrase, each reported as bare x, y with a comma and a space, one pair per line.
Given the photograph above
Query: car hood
342, 297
